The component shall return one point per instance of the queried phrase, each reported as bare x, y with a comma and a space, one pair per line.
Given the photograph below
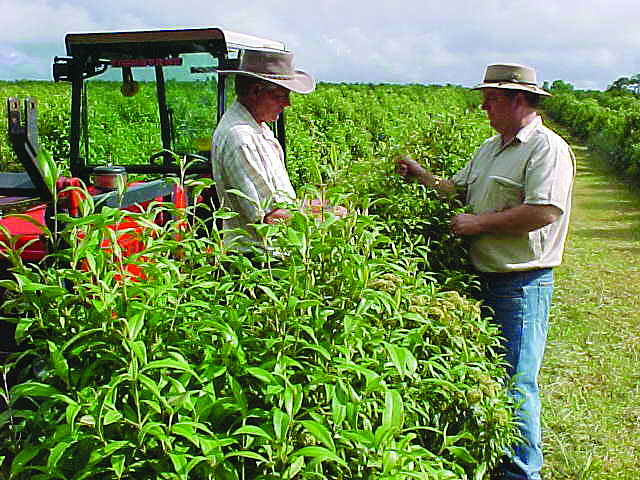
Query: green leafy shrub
341, 359
353, 356
608, 121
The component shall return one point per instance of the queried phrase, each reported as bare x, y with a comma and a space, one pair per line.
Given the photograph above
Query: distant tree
559, 86
627, 83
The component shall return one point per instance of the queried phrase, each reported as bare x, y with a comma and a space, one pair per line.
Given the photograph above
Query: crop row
358, 354
609, 122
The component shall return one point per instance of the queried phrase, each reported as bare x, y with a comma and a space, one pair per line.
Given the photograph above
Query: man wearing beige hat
518, 185
246, 156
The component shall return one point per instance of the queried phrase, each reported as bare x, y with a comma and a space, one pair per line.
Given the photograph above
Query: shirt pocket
505, 193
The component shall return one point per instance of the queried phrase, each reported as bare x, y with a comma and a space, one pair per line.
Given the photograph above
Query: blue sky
589, 43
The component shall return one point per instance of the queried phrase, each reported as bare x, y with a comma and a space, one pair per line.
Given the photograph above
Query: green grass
590, 385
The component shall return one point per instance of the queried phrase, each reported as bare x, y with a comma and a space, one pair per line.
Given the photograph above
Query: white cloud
430, 41
34, 21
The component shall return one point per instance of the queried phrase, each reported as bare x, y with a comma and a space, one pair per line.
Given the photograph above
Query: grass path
590, 379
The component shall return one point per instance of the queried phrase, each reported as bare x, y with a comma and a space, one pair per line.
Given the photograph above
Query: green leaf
242, 195
292, 399
153, 387
280, 424
389, 460
462, 454
317, 348
23, 326
393, 415
338, 410
48, 169
247, 454
109, 449
270, 294
382, 436
319, 454
156, 429
402, 359
314, 172
350, 322
184, 463
320, 433
32, 389
226, 471
60, 366
480, 472
23, 457
112, 416
363, 437
56, 454
179, 461
135, 324
293, 469
25, 285
171, 363
212, 446
262, 375
117, 463
188, 429
253, 431
139, 348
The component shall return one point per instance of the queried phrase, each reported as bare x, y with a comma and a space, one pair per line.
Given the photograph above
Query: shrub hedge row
357, 354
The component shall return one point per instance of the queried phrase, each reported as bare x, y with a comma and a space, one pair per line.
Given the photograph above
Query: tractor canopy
166, 77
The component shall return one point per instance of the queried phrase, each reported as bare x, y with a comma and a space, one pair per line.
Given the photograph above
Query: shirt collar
245, 115
242, 112
525, 132
522, 136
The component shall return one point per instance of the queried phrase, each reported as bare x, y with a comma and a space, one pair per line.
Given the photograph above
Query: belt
514, 273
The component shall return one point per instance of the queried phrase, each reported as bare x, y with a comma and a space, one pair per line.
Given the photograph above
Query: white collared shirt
246, 156
537, 168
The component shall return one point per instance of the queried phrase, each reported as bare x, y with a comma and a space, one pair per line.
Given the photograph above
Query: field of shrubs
609, 122
359, 354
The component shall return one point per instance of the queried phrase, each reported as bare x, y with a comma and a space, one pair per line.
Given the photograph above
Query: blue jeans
520, 304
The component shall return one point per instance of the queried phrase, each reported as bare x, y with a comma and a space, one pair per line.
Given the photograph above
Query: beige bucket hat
511, 76
275, 67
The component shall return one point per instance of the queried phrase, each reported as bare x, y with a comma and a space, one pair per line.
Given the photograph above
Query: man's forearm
513, 221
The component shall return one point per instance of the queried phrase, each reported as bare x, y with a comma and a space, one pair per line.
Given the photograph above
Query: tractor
147, 68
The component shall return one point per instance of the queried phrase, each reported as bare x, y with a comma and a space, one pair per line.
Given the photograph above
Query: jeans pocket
503, 290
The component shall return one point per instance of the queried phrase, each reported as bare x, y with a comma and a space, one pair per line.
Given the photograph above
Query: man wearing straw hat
246, 156
518, 185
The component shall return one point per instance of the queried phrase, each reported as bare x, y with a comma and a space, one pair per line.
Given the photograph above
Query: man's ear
255, 89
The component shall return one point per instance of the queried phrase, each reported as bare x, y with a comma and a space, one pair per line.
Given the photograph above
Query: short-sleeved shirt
537, 168
246, 156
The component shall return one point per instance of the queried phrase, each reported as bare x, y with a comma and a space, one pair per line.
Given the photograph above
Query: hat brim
513, 86
300, 82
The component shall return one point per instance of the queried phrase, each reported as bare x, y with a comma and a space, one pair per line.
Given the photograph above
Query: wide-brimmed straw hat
511, 76
273, 66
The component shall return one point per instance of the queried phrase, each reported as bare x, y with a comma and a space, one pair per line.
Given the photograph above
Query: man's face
500, 108
271, 101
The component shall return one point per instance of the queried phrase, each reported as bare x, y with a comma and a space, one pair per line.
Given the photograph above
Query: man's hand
467, 224
318, 207
340, 211
279, 215
409, 168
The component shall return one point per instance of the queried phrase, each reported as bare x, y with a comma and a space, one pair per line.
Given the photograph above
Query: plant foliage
354, 353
